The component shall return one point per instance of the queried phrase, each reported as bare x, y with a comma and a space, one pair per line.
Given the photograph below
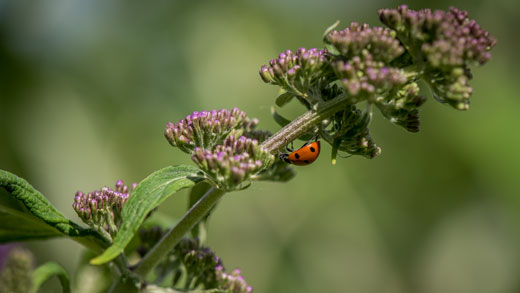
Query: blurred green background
87, 87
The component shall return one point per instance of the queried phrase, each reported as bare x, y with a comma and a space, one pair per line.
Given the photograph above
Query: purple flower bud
93, 207
355, 39
119, 184
208, 128
305, 63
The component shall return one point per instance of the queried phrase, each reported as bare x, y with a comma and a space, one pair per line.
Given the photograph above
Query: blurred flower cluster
443, 44
101, 209
233, 282
16, 267
201, 268
226, 146
381, 67
357, 40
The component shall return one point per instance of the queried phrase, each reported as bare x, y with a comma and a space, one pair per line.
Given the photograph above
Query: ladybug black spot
313, 150
296, 156
306, 161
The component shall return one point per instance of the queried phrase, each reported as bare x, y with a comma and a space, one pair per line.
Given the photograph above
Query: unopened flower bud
357, 40
207, 129
297, 72
233, 162
448, 41
94, 207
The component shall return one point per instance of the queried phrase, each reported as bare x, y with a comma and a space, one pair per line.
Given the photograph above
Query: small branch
305, 122
174, 235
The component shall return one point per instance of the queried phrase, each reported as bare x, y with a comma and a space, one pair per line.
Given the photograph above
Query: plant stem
127, 281
174, 235
305, 122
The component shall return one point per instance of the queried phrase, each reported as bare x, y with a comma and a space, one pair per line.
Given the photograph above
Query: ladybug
303, 156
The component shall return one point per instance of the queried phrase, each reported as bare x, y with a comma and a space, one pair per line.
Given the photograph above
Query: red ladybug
303, 156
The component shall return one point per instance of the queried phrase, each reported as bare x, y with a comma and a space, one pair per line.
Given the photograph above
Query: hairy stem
174, 235
305, 122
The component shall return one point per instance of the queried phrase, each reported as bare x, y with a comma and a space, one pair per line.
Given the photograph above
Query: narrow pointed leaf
48, 270
330, 29
334, 152
150, 192
282, 121
284, 98
40, 207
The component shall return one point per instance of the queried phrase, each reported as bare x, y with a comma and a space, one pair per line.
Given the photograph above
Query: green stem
174, 235
127, 281
305, 122
48, 270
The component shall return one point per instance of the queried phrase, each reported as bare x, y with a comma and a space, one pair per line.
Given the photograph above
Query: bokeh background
86, 88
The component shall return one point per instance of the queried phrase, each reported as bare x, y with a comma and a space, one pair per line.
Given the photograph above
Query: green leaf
19, 226
39, 207
197, 191
150, 192
334, 152
48, 270
282, 121
330, 29
284, 98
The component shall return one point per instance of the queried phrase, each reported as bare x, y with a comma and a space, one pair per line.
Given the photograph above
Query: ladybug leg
304, 144
290, 150
315, 138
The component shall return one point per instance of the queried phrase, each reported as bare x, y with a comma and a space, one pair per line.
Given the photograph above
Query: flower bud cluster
16, 269
226, 146
350, 133
101, 209
449, 42
233, 162
451, 87
365, 78
357, 39
296, 72
202, 268
200, 263
402, 110
447, 38
149, 237
381, 66
233, 282
207, 129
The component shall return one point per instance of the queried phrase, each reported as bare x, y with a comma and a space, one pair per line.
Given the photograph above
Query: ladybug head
285, 157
